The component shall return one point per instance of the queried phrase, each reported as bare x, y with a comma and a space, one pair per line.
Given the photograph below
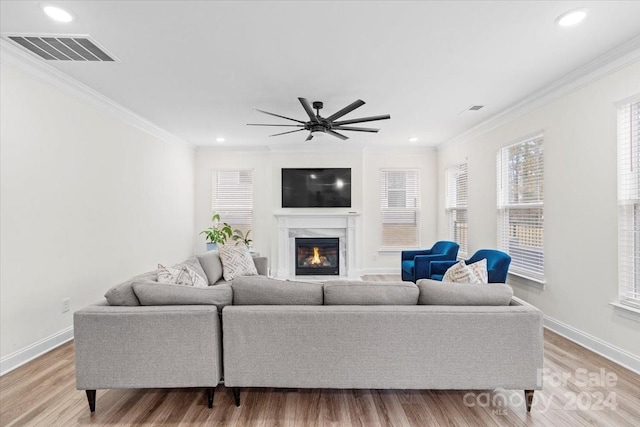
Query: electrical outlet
66, 304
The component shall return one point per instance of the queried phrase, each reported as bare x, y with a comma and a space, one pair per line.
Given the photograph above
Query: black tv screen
316, 188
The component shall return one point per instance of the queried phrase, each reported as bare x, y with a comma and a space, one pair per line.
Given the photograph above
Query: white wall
365, 168
580, 205
87, 201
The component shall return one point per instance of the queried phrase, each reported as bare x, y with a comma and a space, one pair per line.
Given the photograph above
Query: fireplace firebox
317, 256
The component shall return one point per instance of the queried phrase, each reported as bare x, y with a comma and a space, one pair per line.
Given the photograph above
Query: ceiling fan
328, 125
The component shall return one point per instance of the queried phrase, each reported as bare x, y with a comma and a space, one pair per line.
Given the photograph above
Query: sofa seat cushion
447, 293
345, 292
165, 294
122, 294
407, 268
260, 290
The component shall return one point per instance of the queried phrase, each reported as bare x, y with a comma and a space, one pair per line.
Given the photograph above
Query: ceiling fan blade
346, 110
356, 129
278, 115
310, 137
284, 133
308, 109
266, 124
336, 134
363, 119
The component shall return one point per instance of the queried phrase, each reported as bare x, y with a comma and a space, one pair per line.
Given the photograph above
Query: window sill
522, 279
626, 311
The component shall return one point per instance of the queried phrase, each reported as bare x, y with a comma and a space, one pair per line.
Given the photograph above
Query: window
400, 208
456, 206
520, 173
629, 203
232, 198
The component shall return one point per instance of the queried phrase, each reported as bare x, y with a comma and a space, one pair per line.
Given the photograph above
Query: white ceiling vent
63, 48
471, 108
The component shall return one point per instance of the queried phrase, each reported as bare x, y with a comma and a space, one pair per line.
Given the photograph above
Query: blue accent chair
415, 264
497, 265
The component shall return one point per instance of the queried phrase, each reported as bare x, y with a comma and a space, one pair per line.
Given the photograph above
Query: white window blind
456, 206
400, 208
520, 179
629, 203
232, 197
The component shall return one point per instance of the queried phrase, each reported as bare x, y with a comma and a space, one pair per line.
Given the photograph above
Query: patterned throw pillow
174, 276
463, 273
236, 261
480, 271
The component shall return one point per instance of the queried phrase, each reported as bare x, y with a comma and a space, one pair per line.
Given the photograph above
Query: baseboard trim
596, 345
37, 349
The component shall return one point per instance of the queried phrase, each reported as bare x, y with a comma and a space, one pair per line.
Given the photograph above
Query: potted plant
215, 234
239, 236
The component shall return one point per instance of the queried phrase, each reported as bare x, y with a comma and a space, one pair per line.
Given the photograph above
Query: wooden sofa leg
528, 397
91, 397
210, 392
236, 396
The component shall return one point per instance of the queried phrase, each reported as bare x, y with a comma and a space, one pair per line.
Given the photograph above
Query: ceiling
198, 69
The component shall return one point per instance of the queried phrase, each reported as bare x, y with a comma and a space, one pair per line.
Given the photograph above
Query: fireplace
317, 256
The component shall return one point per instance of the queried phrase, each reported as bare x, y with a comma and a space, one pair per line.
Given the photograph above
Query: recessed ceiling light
413, 139
57, 14
219, 139
571, 17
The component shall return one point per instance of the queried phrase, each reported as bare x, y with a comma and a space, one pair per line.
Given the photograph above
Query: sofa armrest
439, 267
410, 255
147, 347
262, 265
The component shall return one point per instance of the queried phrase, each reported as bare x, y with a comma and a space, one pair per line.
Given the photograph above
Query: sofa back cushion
345, 292
260, 290
433, 292
211, 265
122, 294
165, 294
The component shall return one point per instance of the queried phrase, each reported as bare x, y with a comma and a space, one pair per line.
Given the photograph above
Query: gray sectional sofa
340, 334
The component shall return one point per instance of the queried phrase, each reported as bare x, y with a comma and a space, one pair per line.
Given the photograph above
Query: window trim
450, 208
417, 210
503, 208
631, 306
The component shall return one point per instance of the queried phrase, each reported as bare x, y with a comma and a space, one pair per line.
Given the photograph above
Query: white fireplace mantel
344, 226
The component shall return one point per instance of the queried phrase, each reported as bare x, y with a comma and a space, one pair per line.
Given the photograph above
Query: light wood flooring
42, 393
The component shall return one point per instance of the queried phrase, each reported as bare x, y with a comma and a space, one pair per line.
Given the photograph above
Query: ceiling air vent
63, 48
475, 107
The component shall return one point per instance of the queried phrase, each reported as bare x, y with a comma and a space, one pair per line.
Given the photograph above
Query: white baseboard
38, 348
604, 349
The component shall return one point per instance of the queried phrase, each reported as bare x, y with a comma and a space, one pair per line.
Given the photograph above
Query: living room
97, 189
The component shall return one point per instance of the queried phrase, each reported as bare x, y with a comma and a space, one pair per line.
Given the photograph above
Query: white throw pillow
174, 276
463, 273
480, 271
195, 279
236, 261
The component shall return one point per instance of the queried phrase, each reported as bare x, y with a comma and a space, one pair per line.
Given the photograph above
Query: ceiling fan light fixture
57, 13
572, 17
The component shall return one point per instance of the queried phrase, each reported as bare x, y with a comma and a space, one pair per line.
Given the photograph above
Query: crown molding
16, 58
612, 61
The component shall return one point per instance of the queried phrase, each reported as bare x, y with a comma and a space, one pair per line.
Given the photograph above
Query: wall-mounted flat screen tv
316, 188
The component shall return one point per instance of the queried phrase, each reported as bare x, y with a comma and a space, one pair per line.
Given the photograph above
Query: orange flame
316, 256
